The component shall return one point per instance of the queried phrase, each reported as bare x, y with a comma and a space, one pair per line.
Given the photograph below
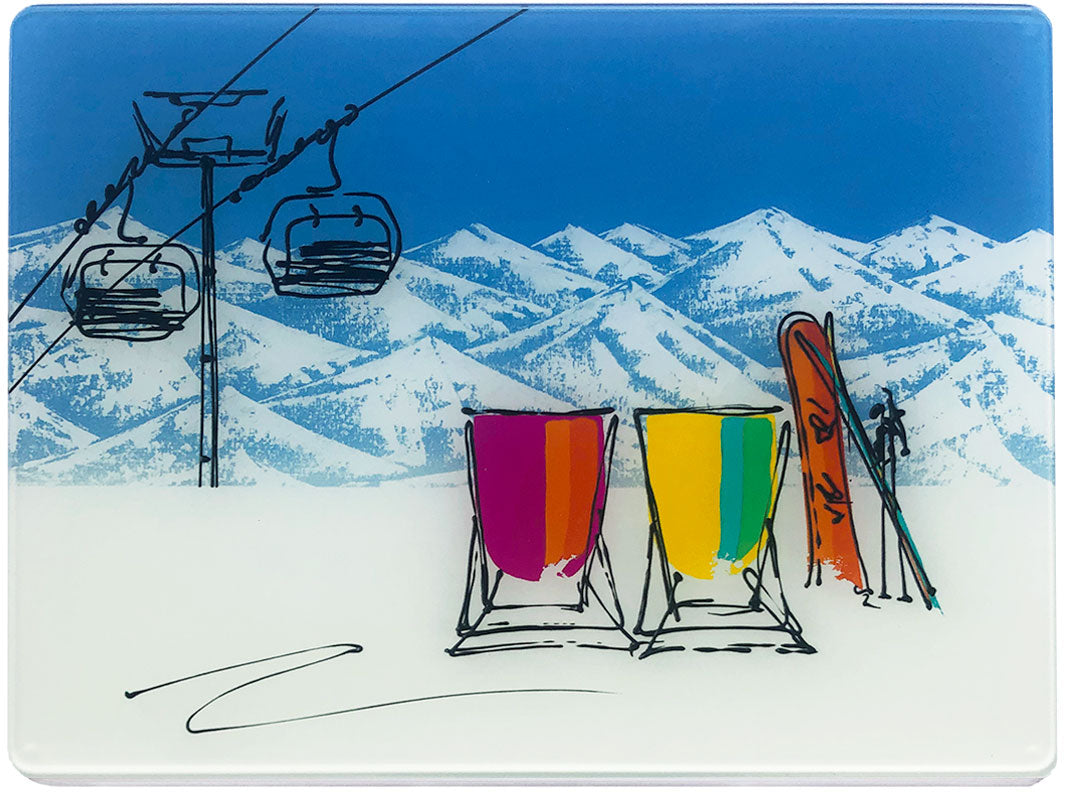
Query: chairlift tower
335, 243
207, 153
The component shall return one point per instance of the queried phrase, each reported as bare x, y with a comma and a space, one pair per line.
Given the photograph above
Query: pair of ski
822, 407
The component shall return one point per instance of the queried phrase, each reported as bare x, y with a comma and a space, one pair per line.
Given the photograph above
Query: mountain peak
772, 218
931, 244
626, 229
591, 256
570, 232
1041, 236
481, 230
770, 215
665, 253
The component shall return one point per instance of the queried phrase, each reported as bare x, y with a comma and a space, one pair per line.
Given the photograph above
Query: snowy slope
1019, 409
242, 276
905, 371
665, 253
627, 350
925, 248
480, 255
103, 386
484, 313
108, 385
38, 432
261, 357
596, 258
985, 411
381, 322
1032, 345
164, 451
768, 264
432, 300
969, 407
373, 386
1015, 278
407, 407
31, 254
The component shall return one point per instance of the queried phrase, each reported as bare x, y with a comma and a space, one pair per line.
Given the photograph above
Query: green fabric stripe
758, 441
733, 476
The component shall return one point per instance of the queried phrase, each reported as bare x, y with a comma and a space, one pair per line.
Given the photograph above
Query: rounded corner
1046, 765
24, 768
1037, 15
24, 13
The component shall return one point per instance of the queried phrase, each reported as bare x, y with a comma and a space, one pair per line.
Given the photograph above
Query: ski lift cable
323, 135
136, 167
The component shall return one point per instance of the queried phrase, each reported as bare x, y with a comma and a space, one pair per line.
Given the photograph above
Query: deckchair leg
768, 555
656, 547
472, 580
612, 606
638, 629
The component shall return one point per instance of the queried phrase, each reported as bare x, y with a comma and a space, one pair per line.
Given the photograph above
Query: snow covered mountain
417, 300
480, 255
773, 218
626, 349
1032, 345
352, 390
768, 264
1015, 278
925, 248
30, 254
987, 412
38, 432
596, 258
406, 406
256, 446
966, 394
484, 312
102, 386
665, 253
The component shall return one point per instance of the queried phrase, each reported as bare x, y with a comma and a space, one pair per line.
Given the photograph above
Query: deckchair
538, 572
713, 479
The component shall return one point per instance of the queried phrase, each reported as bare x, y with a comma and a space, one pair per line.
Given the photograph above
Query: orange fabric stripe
572, 461
557, 497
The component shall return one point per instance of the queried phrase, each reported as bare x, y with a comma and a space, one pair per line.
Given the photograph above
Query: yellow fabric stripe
684, 468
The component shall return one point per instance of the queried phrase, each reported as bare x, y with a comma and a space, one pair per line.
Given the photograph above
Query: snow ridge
348, 391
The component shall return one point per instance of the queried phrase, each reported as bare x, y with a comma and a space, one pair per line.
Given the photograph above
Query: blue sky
859, 121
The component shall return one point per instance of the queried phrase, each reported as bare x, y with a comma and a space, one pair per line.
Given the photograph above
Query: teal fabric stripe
758, 443
732, 485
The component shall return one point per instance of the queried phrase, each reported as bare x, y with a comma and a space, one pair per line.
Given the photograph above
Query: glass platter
547, 394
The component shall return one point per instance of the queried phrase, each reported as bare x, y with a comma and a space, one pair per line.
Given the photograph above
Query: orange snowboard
830, 525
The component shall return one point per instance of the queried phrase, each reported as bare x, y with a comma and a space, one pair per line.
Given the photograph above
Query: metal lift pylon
207, 154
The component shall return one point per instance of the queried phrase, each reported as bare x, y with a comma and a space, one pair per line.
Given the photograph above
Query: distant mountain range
357, 390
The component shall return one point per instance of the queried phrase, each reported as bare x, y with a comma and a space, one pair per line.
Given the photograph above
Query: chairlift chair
331, 244
132, 292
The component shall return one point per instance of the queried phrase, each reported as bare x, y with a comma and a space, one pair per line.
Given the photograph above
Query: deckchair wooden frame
482, 617
761, 601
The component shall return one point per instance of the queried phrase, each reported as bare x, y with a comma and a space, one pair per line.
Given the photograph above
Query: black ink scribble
889, 445
137, 165
766, 610
330, 652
